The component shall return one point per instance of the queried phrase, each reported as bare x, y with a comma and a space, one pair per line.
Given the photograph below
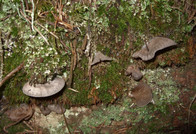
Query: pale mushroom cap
154, 45
44, 90
99, 57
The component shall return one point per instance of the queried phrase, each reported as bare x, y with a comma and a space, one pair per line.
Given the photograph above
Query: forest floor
180, 118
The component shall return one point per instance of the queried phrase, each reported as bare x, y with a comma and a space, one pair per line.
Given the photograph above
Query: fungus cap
99, 57
154, 45
44, 90
142, 94
134, 71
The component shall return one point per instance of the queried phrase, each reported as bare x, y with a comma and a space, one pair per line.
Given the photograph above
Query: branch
8, 16
2, 62
11, 73
190, 110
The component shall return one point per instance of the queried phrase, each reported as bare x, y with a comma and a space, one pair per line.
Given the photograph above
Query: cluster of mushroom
142, 93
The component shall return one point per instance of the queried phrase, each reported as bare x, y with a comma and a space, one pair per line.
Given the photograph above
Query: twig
173, 7
65, 120
32, 15
5, 18
23, 8
65, 45
43, 26
73, 90
74, 53
48, 31
73, 62
90, 71
11, 73
35, 28
27, 125
190, 110
2, 62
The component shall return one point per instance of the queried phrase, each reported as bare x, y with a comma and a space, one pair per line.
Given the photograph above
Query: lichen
165, 92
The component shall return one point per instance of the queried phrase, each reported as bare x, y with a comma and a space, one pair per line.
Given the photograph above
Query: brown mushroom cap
154, 45
44, 110
142, 94
134, 72
44, 90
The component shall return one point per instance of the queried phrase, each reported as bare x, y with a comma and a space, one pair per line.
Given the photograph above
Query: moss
80, 83
13, 87
13, 90
110, 82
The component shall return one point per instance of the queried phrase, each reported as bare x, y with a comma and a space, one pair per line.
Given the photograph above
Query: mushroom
44, 110
134, 72
44, 90
148, 51
56, 108
142, 94
99, 57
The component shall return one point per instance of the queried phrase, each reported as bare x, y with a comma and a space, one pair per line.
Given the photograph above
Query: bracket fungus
134, 72
44, 90
142, 94
157, 43
99, 57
